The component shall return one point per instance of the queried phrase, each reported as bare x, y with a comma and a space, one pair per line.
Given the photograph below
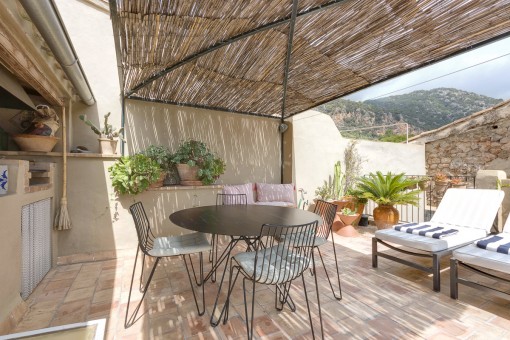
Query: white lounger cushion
474, 255
471, 254
464, 236
471, 211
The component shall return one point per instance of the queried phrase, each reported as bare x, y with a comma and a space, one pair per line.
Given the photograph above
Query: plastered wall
317, 145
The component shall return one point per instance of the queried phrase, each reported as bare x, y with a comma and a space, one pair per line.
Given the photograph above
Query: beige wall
318, 145
101, 222
91, 33
249, 145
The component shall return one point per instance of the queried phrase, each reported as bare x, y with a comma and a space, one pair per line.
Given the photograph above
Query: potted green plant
423, 182
347, 216
196, 164
359, 201
134, 174
108, 135
386, 190
161, 155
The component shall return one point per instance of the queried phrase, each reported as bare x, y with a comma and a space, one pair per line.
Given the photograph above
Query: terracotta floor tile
390, 302
80, 294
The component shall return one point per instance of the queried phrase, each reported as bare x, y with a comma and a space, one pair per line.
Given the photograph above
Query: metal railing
430, 197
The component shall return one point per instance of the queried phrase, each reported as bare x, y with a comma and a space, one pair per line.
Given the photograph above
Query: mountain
423, 110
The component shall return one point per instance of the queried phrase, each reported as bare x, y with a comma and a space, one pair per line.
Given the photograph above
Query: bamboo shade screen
230, 55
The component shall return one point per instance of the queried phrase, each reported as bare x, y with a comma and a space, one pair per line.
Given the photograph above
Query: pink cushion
275, 192
241, 189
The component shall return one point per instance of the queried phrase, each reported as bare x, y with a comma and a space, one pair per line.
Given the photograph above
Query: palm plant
387, 190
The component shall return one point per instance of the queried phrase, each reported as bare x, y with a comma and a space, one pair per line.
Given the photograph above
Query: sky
490, 78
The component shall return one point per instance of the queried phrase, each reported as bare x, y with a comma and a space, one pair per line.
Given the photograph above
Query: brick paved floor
390, 302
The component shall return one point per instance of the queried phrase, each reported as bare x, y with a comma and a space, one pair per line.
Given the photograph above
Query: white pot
3, 179
108, 146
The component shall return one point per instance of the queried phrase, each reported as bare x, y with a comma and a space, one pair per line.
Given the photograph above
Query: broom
62, 220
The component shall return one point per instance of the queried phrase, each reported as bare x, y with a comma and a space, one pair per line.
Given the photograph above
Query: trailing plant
388, 189
196, 153
108, 131
133, 174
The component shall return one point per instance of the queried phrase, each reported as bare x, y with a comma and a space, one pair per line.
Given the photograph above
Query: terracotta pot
108, 146
360, 207
188, 174
159, 182
348, 219
385, 216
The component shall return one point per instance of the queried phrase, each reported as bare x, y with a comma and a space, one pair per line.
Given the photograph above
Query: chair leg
318, 297
141, 273
249, 319
230, 289
282, 296
339, 296
454, 274
308, 306
200, 312
128, 322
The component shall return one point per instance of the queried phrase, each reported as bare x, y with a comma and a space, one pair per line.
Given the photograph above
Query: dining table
240, 222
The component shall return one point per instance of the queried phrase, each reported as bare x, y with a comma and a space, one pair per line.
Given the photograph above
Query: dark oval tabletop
239, 220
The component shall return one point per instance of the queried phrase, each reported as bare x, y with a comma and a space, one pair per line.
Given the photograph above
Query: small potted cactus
108, 135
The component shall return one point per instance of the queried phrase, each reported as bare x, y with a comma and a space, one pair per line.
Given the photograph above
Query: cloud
482, 70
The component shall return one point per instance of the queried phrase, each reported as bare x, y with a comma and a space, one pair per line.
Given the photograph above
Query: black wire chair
159, 247
223, 199
275, 263
327, 211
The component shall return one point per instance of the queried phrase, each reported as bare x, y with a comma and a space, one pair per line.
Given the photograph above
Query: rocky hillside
423, 110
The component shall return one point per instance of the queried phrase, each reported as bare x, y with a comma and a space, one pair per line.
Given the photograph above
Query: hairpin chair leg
200, 311
318, 298
282, 296
128, 322
337, 295
249, 318
308, 306
231, 284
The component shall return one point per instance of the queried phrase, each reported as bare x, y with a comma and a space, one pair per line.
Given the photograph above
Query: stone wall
477, 142
465, 153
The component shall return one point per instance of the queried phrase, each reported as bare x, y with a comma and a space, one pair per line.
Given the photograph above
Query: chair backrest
282, 261
327, 211
231, 199
472, 208
143, 227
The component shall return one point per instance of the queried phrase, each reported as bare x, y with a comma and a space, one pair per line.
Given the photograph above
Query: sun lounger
470, 212
488, 258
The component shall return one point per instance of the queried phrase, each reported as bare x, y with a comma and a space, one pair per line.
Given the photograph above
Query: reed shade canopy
278, 58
